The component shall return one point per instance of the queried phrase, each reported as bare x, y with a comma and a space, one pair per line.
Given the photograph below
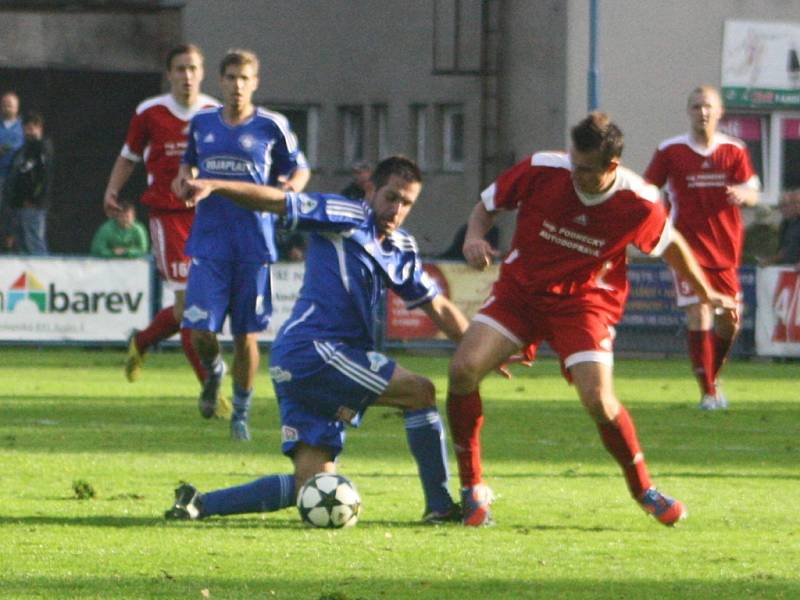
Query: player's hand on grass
479, 253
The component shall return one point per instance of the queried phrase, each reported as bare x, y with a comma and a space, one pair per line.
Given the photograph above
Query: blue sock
241, 403
427, 441
267, 494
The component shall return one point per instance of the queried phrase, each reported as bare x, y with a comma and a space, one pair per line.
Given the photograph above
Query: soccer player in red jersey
565, 282
157, 135
708, 176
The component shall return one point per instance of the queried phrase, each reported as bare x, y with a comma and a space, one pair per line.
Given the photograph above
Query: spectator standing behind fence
121, 236
11, 136
356, 189
28, 187
788, 232
710, 176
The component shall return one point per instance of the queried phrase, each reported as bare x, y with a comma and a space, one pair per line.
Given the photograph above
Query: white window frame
450, 162
352, 123
380, 121
420, 122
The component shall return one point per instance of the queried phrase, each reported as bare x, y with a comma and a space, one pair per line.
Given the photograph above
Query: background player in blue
231, 247
324, 367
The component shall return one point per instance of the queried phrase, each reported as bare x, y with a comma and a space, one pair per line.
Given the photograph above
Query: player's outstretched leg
242, 399
427, 441
211, 401
164, 326
267, 494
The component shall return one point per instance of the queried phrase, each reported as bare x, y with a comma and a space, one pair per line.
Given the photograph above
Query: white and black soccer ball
329, 500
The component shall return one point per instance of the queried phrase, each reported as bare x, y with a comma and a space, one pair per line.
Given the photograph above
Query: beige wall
652, 53
339, 52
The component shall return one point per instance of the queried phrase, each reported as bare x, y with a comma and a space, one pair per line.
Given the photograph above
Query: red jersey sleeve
657, 171
654, 230
510, 188
743, 172
137, 139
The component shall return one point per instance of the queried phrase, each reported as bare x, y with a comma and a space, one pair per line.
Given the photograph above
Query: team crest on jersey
194, 313
289, 434
280, 375
209, 139
247, 141
707, 164
307, 204
376, 361
581, 220
185, 130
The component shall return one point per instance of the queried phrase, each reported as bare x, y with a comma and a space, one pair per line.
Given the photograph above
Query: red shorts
725, 281
578, 328
168, 233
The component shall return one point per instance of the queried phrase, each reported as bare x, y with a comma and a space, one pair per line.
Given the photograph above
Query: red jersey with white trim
570, 243
696, 179
157, 133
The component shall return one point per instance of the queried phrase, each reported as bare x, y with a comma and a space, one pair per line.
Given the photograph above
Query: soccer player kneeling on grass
565, 282
324, 367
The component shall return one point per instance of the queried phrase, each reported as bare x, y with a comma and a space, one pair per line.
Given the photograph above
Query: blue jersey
347, 272
257, 151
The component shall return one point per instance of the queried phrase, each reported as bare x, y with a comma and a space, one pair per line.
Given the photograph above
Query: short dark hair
126, 205
238, 57
597, 132
183, 49
399, 165
33, 117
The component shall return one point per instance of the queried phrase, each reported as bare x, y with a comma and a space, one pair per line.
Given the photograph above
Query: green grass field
566, 527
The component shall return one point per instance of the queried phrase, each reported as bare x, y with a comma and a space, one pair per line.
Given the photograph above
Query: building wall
343, 52
652, 54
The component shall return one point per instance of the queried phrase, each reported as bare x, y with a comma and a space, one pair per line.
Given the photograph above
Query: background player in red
564, 282
157, 135
708, 177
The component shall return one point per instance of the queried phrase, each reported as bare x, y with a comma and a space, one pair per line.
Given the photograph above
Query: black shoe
453, 515
188, 504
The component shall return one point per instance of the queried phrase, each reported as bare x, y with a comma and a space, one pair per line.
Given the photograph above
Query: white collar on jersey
715, 142
595, 199
185, 113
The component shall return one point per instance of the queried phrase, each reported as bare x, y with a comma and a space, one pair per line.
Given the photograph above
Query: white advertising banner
761, 64
778, 312
72, 299
287, 278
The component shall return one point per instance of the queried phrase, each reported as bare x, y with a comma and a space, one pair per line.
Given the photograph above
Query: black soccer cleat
188, 504
453, 515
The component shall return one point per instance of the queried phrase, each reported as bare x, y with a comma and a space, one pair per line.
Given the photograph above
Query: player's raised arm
678, 255
477, 251
247, 195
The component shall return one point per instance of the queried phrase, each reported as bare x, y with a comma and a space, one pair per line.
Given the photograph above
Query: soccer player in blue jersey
231, 246
324, 366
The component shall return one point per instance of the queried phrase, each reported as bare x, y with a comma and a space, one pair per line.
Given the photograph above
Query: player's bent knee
463, 374
424, 395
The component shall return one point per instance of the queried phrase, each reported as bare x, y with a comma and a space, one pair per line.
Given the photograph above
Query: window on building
304, 121
790, 141
419, 134
774, 143
351, 120
453, 137
380, 131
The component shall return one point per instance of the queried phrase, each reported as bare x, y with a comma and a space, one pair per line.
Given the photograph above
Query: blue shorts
218, 288
322, 386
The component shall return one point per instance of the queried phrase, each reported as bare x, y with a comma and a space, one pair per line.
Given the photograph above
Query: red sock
619, 438
465, 415
722, 348
192, 356
163, 326
701, 353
